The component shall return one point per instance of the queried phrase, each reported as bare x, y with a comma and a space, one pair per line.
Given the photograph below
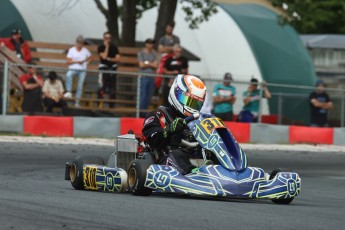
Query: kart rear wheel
76, 170
137, 177
279, 201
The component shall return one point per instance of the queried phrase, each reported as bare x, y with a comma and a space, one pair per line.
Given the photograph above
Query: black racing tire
76, 170
279, 201
137, 177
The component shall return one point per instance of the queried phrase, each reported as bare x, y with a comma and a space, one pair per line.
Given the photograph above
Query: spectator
16, 43
251, 101
176, 64
224, 98
32, 84
320, 103
169, 40
165, 47
53, 92
109, 57
148, 63
77, 57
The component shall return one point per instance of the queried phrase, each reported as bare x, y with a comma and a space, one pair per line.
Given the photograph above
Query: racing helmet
187, 94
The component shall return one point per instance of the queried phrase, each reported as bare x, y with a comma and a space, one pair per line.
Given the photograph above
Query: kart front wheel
76, 170
137, 177
279, 201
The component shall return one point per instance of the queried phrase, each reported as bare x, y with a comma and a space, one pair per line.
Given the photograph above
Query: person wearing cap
78, 58
17, 44
32, 84
176, 64
251, 101
109, 57
224, 96
53, 93
148, 63
320, 103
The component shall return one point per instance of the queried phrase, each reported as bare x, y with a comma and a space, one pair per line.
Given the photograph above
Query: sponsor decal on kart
90, 177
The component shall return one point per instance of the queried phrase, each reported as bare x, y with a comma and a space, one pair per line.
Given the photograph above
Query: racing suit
166, 146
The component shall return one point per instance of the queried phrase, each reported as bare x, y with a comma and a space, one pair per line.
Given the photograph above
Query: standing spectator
169, 40
32, 84
148, 63
109, 57
176, 64
53, 92
224, 98
320, 103
251, 101
77, 57
16, 43
165, 48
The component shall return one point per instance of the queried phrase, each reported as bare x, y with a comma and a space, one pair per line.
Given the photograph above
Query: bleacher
53, 55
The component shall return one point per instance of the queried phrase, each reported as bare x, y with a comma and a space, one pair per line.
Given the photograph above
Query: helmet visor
188, 100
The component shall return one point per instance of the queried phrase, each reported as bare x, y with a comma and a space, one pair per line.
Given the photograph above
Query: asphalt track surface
34, 195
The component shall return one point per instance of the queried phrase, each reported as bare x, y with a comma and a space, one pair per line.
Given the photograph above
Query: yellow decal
90, 177
209, 124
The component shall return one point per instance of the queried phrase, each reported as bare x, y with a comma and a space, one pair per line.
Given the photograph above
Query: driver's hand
178, 125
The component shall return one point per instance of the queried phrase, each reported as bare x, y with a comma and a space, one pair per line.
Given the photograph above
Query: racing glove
176, 126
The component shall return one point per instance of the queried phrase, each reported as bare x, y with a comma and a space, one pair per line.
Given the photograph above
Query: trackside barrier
240, 131
50, 126
11, 124
96, 127
269, 134
134, 124
339, 136
112, 127
300, 134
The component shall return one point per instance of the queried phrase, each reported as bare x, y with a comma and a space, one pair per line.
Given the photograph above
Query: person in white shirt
77, 57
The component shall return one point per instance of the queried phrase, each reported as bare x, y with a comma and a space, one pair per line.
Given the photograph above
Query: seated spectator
109, 57
176, 64
78, 57
320, 103
32, 84
148, 63
53, 92
251, 101
165, 48
17, 44
224, 98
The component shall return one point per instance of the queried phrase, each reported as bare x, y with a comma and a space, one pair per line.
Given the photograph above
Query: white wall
219, 42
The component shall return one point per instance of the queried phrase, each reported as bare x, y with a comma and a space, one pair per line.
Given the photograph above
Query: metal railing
283, 95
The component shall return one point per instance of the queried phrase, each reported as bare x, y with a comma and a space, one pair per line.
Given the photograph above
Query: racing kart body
228, 175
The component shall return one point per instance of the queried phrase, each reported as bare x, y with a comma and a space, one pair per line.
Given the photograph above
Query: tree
167, 8
314, 16
133, 9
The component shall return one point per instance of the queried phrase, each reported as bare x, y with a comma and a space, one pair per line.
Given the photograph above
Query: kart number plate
209, 124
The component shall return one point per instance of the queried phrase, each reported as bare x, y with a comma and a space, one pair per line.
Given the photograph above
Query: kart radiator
125, 151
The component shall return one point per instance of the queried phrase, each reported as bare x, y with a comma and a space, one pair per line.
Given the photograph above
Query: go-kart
225, 173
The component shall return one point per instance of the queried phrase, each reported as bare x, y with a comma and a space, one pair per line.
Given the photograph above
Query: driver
186, 97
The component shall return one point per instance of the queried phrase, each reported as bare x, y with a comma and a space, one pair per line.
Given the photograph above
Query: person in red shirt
32, 84
17, 44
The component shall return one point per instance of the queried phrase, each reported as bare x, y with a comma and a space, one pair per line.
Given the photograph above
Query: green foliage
143, 5
205, 9
314, 16
197, 11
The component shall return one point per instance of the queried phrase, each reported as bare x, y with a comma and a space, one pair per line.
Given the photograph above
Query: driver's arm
153, 130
